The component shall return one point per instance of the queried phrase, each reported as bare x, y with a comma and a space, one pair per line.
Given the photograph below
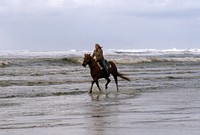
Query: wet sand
130, 111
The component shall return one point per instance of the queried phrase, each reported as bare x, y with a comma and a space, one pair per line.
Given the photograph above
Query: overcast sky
42, 25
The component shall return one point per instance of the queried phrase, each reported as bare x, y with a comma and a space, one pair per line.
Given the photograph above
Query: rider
98, 56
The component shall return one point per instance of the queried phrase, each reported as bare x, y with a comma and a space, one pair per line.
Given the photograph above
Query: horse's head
86, 60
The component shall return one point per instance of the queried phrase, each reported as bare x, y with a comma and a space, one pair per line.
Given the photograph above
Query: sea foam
142, 52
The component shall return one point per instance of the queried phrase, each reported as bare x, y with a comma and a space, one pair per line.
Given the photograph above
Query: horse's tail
114, 70
123, 76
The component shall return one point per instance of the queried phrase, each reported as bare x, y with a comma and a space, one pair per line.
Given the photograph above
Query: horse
96, 72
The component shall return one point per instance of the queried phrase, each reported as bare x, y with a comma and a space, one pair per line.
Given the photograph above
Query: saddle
107, 64
103, 66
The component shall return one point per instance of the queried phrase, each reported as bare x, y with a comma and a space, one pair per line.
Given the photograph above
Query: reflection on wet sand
105, 111
101, 113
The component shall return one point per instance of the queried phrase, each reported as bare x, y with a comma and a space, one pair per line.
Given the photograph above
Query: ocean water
47, 93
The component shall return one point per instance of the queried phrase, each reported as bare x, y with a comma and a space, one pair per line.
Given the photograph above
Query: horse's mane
89, 55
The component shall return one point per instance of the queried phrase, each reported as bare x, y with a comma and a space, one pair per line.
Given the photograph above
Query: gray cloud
105, 6
78, 24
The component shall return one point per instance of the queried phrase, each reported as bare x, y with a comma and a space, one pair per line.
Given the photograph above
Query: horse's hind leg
108, 81
116, 82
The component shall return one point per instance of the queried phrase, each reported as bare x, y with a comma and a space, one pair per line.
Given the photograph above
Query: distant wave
154, 51
42, 54
152, 60
80, 53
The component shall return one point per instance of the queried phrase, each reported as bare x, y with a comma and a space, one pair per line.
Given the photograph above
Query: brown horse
96, 72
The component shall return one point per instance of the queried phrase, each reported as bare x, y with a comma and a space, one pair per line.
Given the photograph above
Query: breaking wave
4, 63
150, 52
120, 56
65, 60
80, 53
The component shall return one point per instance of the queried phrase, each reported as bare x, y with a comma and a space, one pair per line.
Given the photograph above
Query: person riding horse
98, 56
96, 72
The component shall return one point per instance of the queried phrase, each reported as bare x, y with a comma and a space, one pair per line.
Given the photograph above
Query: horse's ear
87, 54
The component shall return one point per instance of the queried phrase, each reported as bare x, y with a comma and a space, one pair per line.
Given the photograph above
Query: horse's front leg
108, 81
91, 86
